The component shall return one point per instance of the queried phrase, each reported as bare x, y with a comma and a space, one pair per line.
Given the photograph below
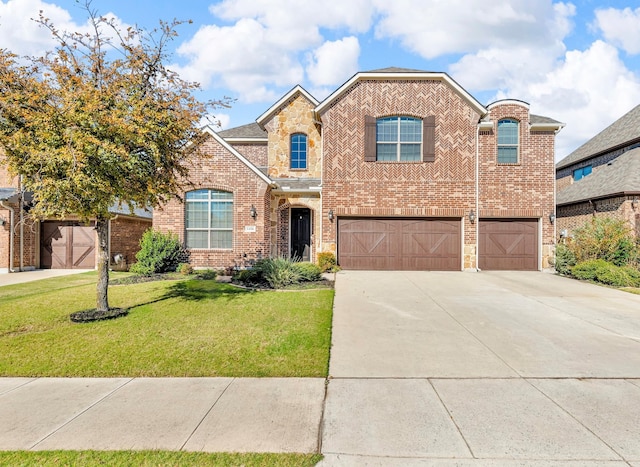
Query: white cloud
588, 91
22, 35
432, 28
266, 42
620, 27
334, 61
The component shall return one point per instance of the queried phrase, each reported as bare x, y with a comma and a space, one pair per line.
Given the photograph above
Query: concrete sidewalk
191, 414
36, 274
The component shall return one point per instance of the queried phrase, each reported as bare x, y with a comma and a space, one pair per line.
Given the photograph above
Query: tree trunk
102, 226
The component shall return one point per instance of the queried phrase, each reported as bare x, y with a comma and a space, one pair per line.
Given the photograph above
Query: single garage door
67, 245
508, 244
399, 244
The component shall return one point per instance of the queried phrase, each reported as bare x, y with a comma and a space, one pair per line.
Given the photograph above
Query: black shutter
429, 139
369, 138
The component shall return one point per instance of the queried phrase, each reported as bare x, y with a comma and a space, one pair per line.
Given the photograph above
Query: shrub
565, 259
251, 276
159, 252
607, 239
278, 272
599, 270
308, 271
185, 268
207, 275
327, 261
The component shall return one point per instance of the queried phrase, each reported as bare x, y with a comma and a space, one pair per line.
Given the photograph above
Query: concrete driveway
493, 368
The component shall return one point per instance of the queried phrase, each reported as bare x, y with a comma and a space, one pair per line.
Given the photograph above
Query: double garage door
434, 244
399, 244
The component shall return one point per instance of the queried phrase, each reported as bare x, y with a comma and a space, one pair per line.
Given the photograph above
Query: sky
576, 62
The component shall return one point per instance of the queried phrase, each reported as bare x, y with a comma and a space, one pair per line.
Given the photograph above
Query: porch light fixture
330, 214
552, 217
252, 212
3, 221
472, 217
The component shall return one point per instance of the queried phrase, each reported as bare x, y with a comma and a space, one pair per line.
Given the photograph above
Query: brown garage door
399, 244
508, 244
67, 245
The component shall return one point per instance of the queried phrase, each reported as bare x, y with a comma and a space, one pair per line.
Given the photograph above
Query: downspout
477, 200
21, 224
11, 234
321, 249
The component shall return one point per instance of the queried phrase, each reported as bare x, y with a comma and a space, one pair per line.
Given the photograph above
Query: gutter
596, 198
11, 234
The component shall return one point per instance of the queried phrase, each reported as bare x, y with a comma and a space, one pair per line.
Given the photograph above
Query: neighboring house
27, 244
602, 177
396, 170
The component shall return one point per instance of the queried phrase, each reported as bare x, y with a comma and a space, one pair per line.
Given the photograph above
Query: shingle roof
395, 69
623, 130
294, 184
252, 131
6, 193
621, 175
540, 119
146, 213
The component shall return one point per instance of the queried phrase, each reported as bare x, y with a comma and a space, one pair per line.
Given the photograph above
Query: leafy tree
99, 120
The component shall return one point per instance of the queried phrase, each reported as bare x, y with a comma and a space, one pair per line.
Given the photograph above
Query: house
26, 243
395, 170
602, 177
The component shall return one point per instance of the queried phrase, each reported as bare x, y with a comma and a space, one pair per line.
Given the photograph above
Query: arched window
298, 151
508, 141
399, 139
209, 219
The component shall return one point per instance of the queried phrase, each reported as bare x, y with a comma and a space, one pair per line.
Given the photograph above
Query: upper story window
299, 144
581, 172
209, 219
399, 139
508, 141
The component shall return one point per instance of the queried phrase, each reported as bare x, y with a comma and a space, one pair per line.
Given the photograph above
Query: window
507, 141
399, 139
581, 173
209, 219
298, 151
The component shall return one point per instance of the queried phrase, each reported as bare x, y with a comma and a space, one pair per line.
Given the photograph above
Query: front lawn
154, 458
174, 328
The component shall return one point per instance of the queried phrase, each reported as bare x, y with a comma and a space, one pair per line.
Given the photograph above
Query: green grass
153, 458
174, 328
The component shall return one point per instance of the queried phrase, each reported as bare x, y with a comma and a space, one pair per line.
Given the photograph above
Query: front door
301, 233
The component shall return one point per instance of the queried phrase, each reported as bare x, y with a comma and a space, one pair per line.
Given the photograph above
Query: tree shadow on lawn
201, 291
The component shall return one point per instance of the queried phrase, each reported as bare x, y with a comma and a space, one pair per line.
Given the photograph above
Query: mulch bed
88, 316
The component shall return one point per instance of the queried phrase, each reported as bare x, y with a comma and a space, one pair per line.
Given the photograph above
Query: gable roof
619, 177
248, 133
620, 132
401, 74
210, 131
298, 90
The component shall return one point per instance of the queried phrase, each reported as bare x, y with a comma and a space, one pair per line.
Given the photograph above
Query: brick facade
216, 168
524, 189
573, 216
464, 176
125, 235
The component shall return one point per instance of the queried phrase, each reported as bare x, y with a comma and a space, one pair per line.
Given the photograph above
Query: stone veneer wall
281, 205
294, 117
